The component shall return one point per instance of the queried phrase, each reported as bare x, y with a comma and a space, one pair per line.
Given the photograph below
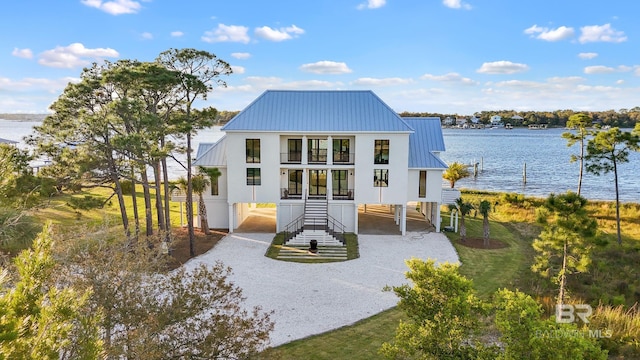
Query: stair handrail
293, 228
332, 224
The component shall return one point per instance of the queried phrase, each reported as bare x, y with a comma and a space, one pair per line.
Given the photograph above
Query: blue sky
447, 56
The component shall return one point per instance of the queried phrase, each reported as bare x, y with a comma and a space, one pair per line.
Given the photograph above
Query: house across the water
318, 155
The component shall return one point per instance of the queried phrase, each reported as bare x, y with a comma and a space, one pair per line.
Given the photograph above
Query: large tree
456, 171
562, 248
605, 151
581, 123
200, 73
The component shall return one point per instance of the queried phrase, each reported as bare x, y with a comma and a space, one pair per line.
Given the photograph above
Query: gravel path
309, 299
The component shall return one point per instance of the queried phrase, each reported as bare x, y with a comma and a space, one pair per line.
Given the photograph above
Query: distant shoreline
23, 117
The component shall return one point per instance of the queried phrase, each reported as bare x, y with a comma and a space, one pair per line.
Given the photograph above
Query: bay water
501, 155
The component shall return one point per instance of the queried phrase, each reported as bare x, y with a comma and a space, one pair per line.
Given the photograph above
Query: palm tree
199, 184
455, 172
485, 208
464, 208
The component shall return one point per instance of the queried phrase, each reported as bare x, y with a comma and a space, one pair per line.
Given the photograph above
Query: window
422, 184
295, 150
381, 152
380, 177
317, 150
341, 151
253, 176
339, 183
295, 182
214, 186
317, 183
253, 150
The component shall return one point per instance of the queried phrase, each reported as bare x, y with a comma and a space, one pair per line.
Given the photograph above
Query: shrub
624, 326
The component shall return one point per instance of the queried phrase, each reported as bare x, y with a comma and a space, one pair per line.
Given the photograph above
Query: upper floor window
253, 176
317, 150
380, 177
422, 184
253, 150
381, 152
341, 151
295, 150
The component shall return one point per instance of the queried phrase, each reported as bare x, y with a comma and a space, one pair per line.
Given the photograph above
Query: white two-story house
340, 148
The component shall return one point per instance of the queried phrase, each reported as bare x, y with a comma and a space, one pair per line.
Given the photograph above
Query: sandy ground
309, 299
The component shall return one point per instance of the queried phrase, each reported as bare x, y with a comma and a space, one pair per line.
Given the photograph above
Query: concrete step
302, 252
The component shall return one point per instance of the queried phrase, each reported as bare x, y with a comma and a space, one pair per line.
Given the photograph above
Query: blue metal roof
212, 154
318, 111
426, 139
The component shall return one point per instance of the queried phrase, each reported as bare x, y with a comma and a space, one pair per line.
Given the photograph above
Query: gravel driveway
309, 299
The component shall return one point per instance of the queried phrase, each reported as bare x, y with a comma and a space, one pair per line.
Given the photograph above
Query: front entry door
317, 183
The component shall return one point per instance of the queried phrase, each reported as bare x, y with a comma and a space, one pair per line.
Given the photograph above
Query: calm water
502, 153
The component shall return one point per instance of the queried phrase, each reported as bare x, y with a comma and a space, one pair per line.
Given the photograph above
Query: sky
436, 56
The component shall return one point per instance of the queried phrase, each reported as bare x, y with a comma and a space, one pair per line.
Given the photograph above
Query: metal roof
212, 154
317, 111
426, 139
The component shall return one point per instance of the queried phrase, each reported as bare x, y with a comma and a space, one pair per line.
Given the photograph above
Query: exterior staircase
314, 226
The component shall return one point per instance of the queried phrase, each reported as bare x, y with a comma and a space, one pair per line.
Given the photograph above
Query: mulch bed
478, 243
202, 244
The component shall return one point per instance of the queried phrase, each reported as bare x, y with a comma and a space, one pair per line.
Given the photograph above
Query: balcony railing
291, 158
317, 156
343, 194
288, 194
344, 158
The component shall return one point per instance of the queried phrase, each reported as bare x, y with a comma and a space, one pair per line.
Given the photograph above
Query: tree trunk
581, 162
615, 177
123, 207
167, 209
202, 210
563, 272
147, 201
189, 199
463, 228
159, 210
485, 228
134, 202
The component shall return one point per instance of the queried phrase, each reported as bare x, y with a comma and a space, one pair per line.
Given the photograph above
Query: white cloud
146, 36
281, 34
601, 33
588, 55
547, 34
502, 67
456, 4
367, 81
22, 53
52, 86
452, 78
241, 55
237, 69
74, 55
619, 82
177, 34
115, 7
326, 67
601, 69
372, 4
224, 33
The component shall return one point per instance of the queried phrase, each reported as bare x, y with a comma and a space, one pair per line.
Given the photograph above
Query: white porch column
438, 218
305, 150
232, 215
396, 214
305, 183
403, 219
355, 217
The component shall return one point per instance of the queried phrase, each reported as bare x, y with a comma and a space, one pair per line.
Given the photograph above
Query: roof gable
318, 111
212, 154
426, 139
